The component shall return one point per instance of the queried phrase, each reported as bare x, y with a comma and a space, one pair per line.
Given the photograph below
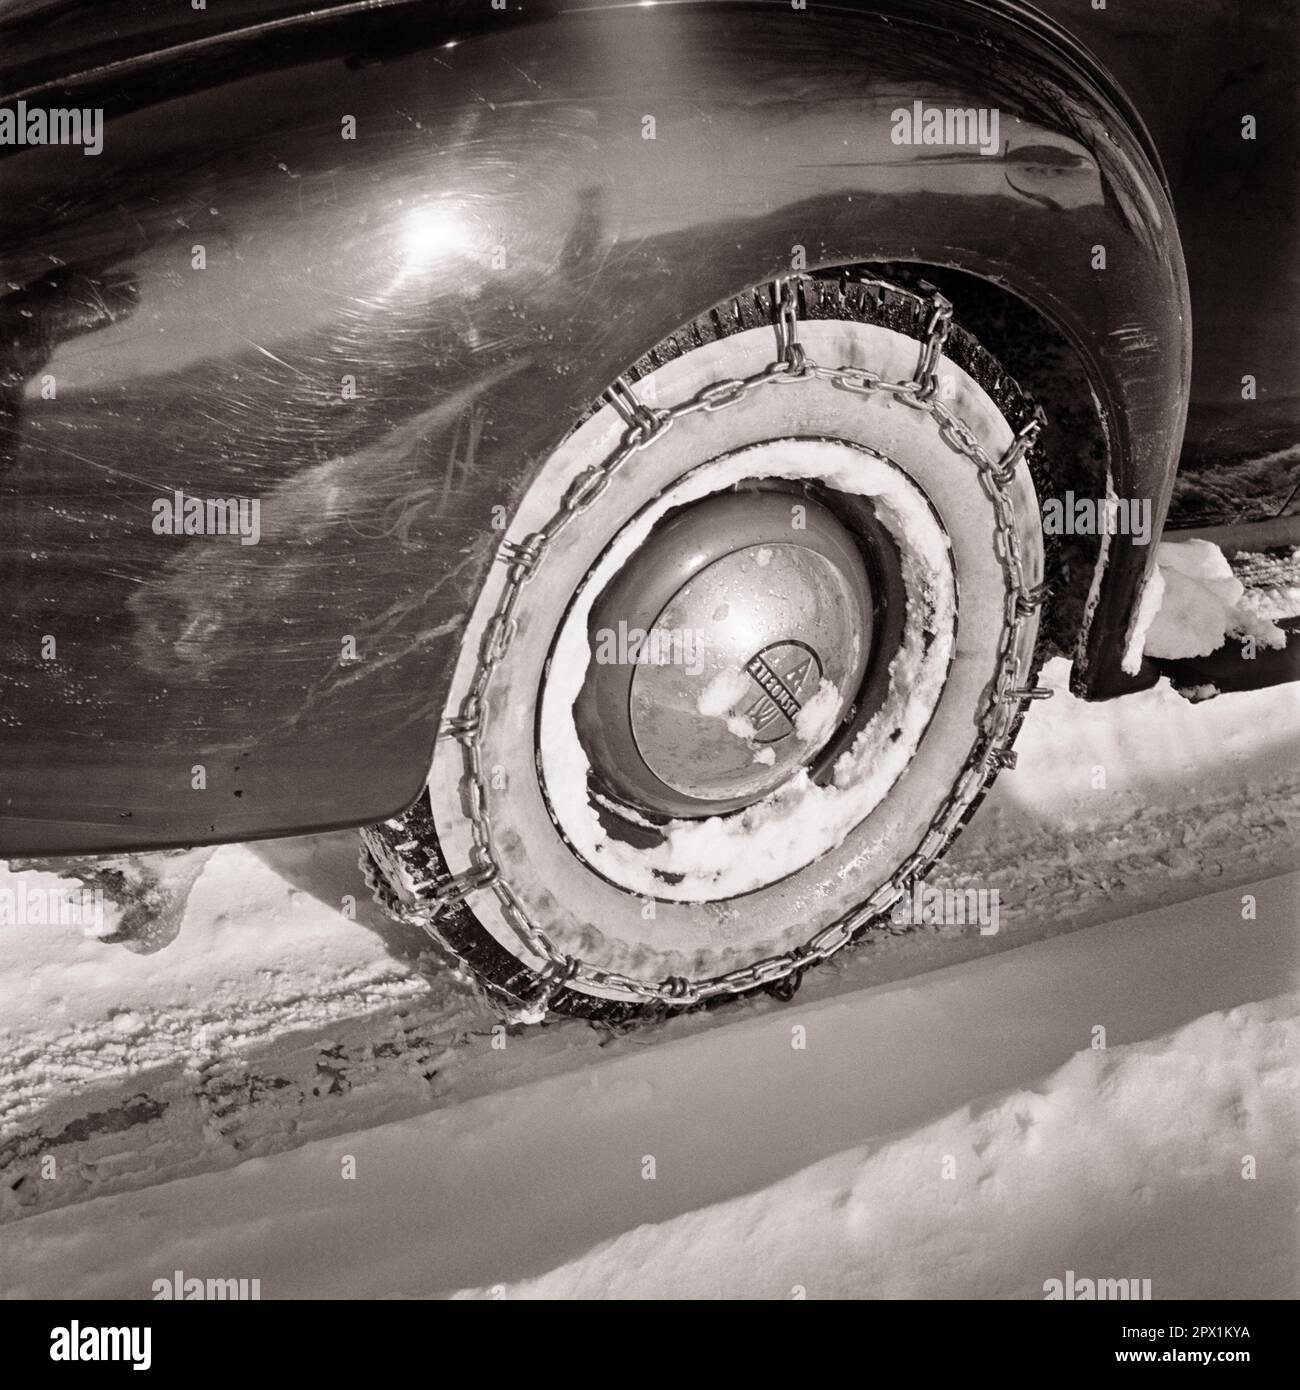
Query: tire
838, 610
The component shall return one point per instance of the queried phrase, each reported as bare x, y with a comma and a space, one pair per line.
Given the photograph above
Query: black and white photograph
649, 654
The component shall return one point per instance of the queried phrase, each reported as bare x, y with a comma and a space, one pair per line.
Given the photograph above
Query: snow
1124, 1163
722, 694
814, 723
1277, 596
719, 698
1193, 603
782, 1163
256, 958
740, 727
1148, 605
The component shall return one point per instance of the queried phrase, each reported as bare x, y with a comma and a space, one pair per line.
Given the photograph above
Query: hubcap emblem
788, 674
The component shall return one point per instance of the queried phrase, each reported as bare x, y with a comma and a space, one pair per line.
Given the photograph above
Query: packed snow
1192, 604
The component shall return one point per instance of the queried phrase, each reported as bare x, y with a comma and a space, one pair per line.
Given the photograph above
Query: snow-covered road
188, 1100
970, 1133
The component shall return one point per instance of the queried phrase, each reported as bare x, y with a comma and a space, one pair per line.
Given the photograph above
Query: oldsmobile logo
788, 674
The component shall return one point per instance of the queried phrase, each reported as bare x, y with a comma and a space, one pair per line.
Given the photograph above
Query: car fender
429, 240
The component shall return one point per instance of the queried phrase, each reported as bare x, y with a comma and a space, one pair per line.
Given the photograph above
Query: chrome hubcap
725, 653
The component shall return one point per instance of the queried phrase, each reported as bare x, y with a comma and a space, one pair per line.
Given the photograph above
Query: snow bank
258, 957
1130, 1163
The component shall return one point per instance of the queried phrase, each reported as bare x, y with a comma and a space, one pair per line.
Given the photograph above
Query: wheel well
1072, 451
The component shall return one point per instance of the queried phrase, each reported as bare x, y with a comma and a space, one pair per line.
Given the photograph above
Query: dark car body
389, 332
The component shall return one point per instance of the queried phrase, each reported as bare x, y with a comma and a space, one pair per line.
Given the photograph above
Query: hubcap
725, 653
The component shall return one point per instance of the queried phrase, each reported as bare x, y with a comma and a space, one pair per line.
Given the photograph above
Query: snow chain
399, 839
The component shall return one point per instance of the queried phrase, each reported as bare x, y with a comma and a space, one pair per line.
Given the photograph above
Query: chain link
937, 329
790, 355
522, 559
639, 417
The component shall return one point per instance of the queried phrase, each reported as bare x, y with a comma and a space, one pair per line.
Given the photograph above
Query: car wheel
762, 633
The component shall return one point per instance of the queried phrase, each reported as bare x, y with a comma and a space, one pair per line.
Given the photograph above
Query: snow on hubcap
724, 653
793, 811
